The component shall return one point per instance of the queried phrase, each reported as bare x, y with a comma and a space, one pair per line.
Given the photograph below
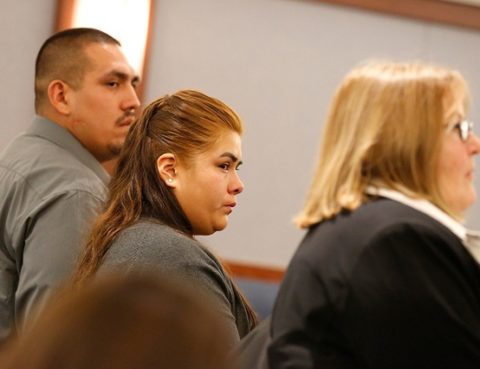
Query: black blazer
384, 286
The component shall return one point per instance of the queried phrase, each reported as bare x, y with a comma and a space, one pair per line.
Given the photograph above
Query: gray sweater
154, 246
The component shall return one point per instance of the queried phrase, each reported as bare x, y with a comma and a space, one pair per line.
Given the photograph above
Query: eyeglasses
465, 128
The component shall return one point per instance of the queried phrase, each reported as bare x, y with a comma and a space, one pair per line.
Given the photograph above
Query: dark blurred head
134, 322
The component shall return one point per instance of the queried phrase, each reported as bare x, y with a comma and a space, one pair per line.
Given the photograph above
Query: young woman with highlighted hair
176, 178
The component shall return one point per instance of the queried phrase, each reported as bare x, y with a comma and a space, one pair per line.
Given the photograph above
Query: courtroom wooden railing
256, 272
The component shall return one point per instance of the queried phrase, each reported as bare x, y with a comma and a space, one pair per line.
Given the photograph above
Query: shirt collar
45, 128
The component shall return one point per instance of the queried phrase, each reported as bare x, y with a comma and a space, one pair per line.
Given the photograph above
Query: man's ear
166, 166
58, 91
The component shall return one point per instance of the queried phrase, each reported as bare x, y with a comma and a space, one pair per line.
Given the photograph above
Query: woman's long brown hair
185, 123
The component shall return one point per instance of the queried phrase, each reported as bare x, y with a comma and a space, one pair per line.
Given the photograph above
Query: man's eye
225, 166
112, 84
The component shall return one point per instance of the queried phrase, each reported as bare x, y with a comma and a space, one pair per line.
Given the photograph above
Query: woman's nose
474, 144
237, 184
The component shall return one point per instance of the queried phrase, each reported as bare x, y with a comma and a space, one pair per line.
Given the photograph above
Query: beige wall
24, 25
277, 62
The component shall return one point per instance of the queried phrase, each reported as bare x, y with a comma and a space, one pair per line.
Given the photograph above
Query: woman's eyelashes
225, 166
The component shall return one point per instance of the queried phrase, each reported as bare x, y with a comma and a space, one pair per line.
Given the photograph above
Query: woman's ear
166, 166
57, 91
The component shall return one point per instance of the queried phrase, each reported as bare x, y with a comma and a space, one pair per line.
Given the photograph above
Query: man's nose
131, 100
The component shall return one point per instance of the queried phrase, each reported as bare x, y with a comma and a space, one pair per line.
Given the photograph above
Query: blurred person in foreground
137, 321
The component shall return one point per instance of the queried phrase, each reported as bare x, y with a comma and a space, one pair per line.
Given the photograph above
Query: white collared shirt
470, 239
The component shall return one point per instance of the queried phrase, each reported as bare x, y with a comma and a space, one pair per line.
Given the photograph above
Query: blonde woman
385, 278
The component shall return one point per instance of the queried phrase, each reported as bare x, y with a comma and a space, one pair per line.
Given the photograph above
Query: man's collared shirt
51, 188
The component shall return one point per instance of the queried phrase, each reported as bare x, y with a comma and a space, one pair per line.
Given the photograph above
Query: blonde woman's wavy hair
384, 125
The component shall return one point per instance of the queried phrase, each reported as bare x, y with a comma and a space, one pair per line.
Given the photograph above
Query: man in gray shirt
52, 182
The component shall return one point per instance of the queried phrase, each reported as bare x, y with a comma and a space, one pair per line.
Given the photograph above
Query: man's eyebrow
122, 76
136, 79
231, 156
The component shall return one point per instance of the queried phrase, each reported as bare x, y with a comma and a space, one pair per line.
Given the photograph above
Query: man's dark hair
62, 57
